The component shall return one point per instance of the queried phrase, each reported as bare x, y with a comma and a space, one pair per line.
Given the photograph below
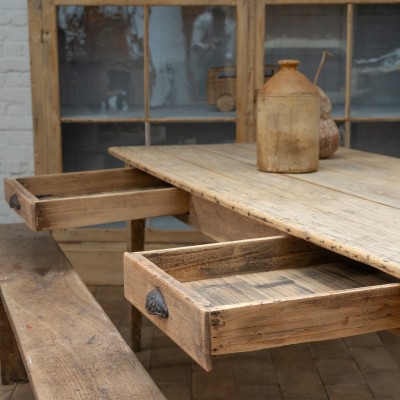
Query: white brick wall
16, 139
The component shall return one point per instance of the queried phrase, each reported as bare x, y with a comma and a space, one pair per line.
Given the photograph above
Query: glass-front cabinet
159, 72
154, 72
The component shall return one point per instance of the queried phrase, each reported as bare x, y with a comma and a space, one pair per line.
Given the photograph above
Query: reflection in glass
303, 33
382, 138
85, 145
101, 61
376, 63
185, 42
193, 133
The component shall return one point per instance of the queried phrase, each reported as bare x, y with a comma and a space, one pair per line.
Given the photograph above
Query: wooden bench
69, 347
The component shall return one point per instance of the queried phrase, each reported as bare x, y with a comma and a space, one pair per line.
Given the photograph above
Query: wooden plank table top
351, 205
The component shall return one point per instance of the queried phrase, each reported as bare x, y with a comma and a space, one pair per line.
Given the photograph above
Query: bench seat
70, 348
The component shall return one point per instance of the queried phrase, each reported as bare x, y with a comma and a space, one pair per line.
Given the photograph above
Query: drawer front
177, 311
87, 198
308, 319
261, 293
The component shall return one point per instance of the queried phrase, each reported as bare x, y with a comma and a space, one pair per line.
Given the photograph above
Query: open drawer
85, 198
253, 294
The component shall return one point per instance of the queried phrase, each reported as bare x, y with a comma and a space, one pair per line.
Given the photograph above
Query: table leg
11, 365
135, 242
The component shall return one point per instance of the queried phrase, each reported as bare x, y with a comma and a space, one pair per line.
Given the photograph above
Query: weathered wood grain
187, 322
352, 219
88, 198
70, 348
223, 224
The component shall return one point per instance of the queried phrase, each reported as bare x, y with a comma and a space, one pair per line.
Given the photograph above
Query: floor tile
301, 384
329, 349
373, 358
384, 383
335, 372
253, 371
175, 375
292, 358
176, 392
23, 392
218, 383
258, 392
6, 392
369, 339
349, 392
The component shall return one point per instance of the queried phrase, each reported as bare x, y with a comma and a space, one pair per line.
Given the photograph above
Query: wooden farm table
333, 273
351, 205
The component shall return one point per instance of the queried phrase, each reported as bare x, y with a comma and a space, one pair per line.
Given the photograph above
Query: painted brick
16, 79
12, 5
16, 110
10, 32
16, 48
3, 107
15, 94
11, 123
18, 138
14, 64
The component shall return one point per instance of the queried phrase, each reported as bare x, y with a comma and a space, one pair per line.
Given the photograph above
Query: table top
351, 205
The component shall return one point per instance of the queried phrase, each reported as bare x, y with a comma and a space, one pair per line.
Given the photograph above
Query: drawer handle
14, 202
155, 304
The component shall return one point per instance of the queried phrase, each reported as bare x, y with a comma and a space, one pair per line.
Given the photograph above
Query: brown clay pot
325, 104
329, 138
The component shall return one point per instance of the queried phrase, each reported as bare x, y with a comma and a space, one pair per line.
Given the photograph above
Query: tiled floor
358, 368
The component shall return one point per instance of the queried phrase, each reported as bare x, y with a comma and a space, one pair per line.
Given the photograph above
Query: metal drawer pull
155, 304
14, 202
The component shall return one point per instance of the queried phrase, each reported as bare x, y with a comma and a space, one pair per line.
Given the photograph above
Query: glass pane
193, 133
101, 61
186, 45
85, 145
382, 138
376, 64
303, 33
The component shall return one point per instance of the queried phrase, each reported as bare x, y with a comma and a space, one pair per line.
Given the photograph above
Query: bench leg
135, 242
11, 365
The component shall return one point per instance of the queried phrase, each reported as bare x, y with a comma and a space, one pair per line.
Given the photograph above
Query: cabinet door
375, 100
361, 76
376, 62
101, 63
144, 75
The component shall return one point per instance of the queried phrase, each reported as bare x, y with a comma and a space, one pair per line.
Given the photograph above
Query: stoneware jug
288, 121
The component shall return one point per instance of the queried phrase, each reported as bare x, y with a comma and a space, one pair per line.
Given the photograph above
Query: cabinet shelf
191, 113
94, 114
391, 112
196, 113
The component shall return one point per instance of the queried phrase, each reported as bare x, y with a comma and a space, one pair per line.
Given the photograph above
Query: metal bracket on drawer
14, 202
155, 304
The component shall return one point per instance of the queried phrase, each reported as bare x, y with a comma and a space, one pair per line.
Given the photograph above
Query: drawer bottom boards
248, 295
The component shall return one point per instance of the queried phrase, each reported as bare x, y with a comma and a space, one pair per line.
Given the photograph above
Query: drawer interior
267, 269
289, 283
260, 293
85, 198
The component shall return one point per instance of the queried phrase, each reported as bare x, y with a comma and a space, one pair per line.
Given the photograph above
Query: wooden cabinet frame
250, 36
